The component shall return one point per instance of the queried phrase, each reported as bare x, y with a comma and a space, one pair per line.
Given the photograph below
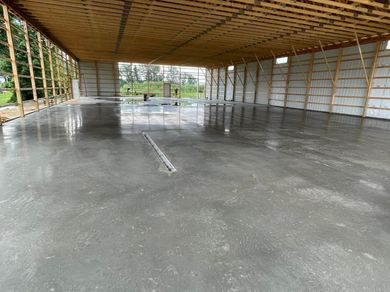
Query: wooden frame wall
24, 40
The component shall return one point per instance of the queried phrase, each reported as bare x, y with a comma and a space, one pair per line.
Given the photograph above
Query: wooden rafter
203, 32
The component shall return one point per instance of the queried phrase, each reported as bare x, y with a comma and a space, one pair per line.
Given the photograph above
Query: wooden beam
372, 75
43, 70
30, 65
12, 56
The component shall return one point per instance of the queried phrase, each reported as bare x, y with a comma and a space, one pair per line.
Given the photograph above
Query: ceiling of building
203, 32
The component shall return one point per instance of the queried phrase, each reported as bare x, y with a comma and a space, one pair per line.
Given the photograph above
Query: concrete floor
263, 200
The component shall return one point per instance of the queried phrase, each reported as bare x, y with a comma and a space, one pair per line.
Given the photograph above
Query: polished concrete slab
262, 200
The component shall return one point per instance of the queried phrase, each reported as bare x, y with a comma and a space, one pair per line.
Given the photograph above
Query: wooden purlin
204, 32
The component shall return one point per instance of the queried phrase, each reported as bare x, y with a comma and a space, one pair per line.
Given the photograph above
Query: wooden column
244, 83
42, 61
308, 80
53, 84
180, 82
69, 79
218, 77
58, 73
287, 81
30, 65
97, 79
211, 86
226, 77
256, 84
14, 66
336, 77
371, 78
270, 82
114, 75
234, 82
197, 84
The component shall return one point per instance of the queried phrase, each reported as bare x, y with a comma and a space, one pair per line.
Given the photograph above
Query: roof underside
204, 32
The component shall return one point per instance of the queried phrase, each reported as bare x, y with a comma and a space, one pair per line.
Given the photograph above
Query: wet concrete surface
262, 200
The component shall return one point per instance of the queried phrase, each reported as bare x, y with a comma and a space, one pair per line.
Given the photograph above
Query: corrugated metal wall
99, 78
330, 81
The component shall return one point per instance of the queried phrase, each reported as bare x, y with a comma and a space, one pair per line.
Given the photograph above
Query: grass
5, 97
156, 87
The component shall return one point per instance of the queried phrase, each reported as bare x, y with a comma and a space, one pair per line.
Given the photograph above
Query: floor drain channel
162, 156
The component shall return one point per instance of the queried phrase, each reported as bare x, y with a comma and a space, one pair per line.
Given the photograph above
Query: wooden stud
308, 80
11, 48
336, 77
372, 75
30, 65
43, 70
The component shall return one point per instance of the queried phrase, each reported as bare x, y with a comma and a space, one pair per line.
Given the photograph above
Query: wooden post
336, 77
114, 76
256, 82
211, 86
30, 65
308, 80
218, 79
58, 73
287, 81
234, 82
148, 78
43, 70
372, 75
69, 79
197, 85
180, 82
53, 84
244, 84
11, 48
226, 77
270, 83
97, 78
